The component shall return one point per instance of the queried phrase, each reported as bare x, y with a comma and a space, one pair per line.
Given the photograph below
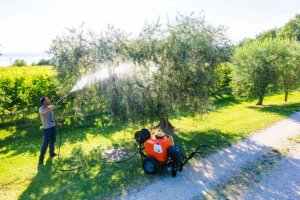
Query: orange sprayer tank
158, 148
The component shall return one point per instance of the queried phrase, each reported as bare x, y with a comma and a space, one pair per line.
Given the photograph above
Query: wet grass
22, 178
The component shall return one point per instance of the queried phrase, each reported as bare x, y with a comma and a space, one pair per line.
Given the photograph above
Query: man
49, 128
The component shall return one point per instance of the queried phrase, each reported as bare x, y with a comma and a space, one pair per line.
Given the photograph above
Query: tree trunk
286, 96
260, 101
165, 125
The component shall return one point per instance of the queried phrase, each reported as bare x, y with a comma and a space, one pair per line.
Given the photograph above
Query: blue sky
30, 26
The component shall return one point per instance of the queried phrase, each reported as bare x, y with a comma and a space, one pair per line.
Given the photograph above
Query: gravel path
206, 172
283, 182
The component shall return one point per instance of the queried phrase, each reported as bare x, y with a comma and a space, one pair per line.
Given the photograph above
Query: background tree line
21, 62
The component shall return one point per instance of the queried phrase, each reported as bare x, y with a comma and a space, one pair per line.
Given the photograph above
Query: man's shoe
53, 155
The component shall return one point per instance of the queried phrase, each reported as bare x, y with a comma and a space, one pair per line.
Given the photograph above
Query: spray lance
63, 98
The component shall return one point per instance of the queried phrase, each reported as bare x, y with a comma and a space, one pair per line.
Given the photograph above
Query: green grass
21, 178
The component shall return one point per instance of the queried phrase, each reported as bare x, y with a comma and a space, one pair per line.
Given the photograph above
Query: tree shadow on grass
30, 140
283, 110
20, 142
225, 101
220, 102
96, 178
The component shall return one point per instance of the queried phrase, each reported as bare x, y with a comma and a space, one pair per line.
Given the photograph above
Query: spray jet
91, 78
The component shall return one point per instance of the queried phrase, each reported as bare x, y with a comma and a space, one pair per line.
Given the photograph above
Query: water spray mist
101, 74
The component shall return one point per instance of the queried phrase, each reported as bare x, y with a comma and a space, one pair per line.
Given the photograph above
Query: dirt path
283, 182
198, 179
275, 175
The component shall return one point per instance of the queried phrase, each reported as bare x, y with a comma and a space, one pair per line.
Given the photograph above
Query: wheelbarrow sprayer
160, 151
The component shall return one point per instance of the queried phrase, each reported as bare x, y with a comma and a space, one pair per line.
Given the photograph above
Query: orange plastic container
158, 148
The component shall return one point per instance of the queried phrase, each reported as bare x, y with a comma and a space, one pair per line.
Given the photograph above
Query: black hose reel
142, 136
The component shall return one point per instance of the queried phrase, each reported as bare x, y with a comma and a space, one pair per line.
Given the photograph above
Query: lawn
21, 178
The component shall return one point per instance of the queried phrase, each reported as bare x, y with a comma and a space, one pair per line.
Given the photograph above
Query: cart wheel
180, 167
150, 165
173, 172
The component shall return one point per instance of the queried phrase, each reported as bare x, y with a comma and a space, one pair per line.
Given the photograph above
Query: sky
30, 26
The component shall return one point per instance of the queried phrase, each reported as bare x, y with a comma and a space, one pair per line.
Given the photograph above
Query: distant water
7, 59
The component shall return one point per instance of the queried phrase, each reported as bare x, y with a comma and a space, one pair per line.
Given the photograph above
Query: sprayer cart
160, 151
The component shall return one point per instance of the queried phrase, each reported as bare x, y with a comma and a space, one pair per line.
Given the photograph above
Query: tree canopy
261, 67
184, 53
291, 29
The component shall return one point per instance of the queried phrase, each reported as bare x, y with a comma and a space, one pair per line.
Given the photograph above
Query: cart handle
193, 153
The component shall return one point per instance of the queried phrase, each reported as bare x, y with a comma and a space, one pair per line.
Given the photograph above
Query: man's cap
43, 99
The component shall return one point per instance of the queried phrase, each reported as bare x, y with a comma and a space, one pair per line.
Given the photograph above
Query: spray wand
63, 97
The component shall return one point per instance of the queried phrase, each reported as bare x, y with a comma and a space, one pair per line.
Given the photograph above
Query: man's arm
44, 111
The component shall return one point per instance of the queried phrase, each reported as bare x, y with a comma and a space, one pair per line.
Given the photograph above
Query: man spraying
49, 128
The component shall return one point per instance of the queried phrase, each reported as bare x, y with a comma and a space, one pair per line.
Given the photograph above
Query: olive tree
186, 53
289, 67
177, 66
291, 30
261, 67
189, 56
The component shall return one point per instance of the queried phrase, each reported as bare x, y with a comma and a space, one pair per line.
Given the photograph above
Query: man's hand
51, 107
